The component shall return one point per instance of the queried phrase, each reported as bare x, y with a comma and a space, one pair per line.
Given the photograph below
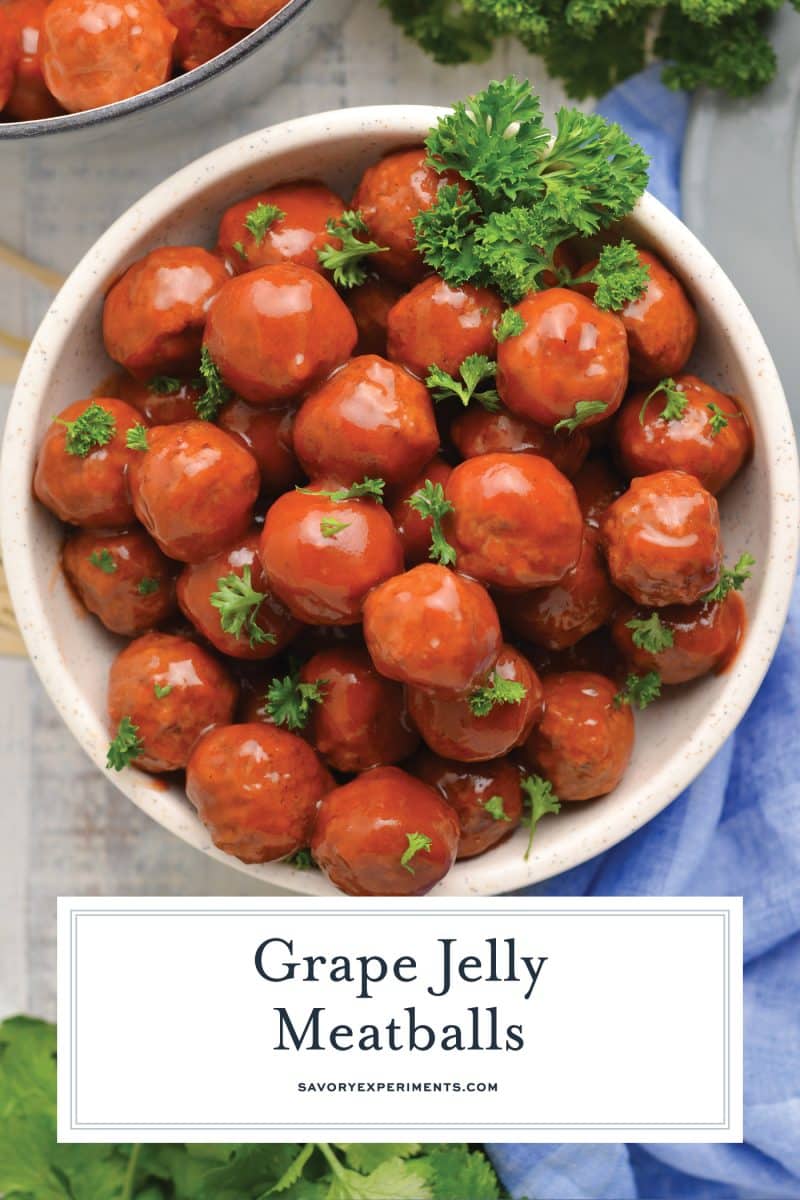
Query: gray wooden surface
63, 829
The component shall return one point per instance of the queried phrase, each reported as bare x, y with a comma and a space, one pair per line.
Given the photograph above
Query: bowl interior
72, 653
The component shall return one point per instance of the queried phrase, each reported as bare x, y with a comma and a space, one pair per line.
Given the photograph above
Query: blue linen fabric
735, 831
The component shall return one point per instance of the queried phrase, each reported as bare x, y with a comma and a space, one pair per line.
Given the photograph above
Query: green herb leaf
498, 691
95, 427
164, 385
329, 526
136, 438
511, 324
215, 394
540, 800
676, 398
240, 250
719, 419
125, 747
516, 248
639, 690
651, 634
495, 809
104, 560
584, 410
259, 220
456, 1173
731, 579
475, 371
146, 587
367, 1156
371, 488
161, 691
301, 860
620, 276
239, 604
349, 263
289, 701
416, 843
445, 235
429, 501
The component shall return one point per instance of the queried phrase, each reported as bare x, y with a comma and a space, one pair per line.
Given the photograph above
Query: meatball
584, 741
559, 616
268, 434
28, 97
432, 628
385, 834
697, 638
477, 431
697, 441
515, 520
361, 721
9, 55
661, 325
275, 332
391, 193
486, 799
371, 418
489, 721
438, 325
370, 305
123, 578
243, 620
322, 556
172, 691
597, 486
193, 489
256, 790
662, 540
201, 36
413, 529
81, 470
569, 352
154, 316
244, 14
252, 235
162, 400
95, 52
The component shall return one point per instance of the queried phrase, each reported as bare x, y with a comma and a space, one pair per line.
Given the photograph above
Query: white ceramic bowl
675, 738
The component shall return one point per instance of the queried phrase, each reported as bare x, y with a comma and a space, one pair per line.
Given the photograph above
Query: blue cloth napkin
736, 831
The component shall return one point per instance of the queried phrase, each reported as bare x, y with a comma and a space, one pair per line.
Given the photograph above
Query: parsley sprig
511, 324
639, 690
367, 489
495, 808
136, 437
475, 372
95, 427
497, 691
650, 634
539, 800
215, 393
238, 604
125, 747
260, 219
619, 276
584, 411
329, 526
146, 586
349, 262
430, 502
164, 385
732, 579
719, 420
676, 401
417, 842
103, 559
289, 701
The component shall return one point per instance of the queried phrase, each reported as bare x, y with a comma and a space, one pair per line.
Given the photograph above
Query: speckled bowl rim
504, 868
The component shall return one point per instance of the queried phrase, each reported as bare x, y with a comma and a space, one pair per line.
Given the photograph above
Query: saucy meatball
710, 440
275, 332
432, 628
193, 489
696, 638
241, 620
96, 52
9, 54
385, 834
20, 29
597, 486
662, 540
361, 721
268, 434
570, 351
370, 305
661, 325
256, 789
584, 741
486, 723
370, 418
413, 529
477, 431
486, 799
244, 14
172, 691
252, 234
162, 399
322, 556
201, 36
81, 471
123, 578
438, 325
515, 520
154, 316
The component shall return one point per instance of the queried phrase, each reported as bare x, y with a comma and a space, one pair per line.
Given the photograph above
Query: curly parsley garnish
497, 691
417, 842
348, 263
125, 747
731, 579
162, 690
367, 488
136, 438
718, 420
494, 807
95, 427
164, 385
301, 860
651, 634
639, 690
619, 276
475, 371
146, 587
215, 392
539, 800
104, 560
429, 501
239, 604
259, 221
511, 324
289, 701
584, 411
676, 401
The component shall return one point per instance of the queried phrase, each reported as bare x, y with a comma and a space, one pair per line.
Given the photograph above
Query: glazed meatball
172, 691
385, 834
9, 55
154, 316
696, 638
81, 470
96, 52
515, 520
162, 399
477, 431
486, 723
371, 418
584, 741
361, 721
570, 351
413, 529
662, 540
20, 30
256, 790
252, 235
711, 440
432, 628
201, 36
486, 799
275, 332
661, 325
322, 556
370, 305
123, 578
241, 620
597, 486
244, 14
391, 193
193, 489
438, 325
268, 434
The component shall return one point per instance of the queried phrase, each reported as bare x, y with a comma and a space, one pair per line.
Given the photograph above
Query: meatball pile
396, 563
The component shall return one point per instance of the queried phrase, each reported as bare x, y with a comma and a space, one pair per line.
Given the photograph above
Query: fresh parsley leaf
146, 587
731, 579
238, 604
511, 324
639, 690
516, 248
620, 276
475, 371
584, 410
136, 438
416, 843
240, 250
125, 747
215, 393
651, 634
445, 235
372, 488
289, 701
429, 501
455, 1173
301, 860
676, 401
329, 526
719, 419
162, 690
164, 385
366, 1156
540, 800
260, 219
104, 560
348, 263
495, 809
95, 427
498, 691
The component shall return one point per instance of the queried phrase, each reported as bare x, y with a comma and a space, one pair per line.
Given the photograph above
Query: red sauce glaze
596, 653
123, 578
9, 55
20, 31
370, 418
597, 486
199, 581
244, 14
370, 305
361, 832
584, 741
154, 316
662, 540
362, 720
569, 351
432, 628
449, 726
194, 489
661, 325
436, 324
201, 36
275, 332
323, 579
705, 638
646, 444
468, 789
88, 490
294, 238
515, 520
256, 789
268, 434
414, 530
158, 400
477, 431
202, 694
